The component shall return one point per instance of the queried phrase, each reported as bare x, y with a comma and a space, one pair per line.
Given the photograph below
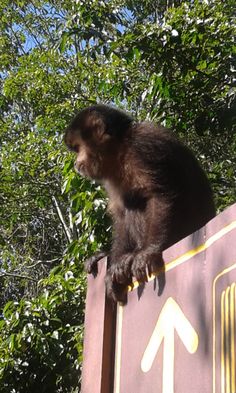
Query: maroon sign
178, 331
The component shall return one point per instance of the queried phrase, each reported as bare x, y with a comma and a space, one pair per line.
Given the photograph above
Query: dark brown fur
158, 193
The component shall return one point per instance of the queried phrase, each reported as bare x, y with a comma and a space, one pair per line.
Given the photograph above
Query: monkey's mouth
81, 170
91, 172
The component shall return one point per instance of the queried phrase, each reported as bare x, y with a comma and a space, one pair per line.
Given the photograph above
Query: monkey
157, 191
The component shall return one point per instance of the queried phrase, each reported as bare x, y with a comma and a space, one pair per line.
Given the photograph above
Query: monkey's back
177, 177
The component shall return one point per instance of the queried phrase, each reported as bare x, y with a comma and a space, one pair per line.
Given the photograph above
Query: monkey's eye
74, 148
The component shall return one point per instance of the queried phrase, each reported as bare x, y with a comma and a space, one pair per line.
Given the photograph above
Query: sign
178, 331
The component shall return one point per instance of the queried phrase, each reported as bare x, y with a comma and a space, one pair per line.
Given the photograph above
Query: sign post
99, 338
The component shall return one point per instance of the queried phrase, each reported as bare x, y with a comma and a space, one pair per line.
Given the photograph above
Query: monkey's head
96, 135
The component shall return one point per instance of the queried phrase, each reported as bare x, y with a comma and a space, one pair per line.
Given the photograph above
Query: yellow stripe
227, 270
119, 320
232, 330
227, 349
189, 254
222, 343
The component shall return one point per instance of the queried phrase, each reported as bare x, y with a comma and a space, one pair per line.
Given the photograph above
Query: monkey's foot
145, 263
91, 264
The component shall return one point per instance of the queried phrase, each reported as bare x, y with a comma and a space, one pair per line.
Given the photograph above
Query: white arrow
171, 318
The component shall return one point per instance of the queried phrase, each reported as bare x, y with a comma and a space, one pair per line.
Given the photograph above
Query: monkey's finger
140, 273
149, 270
121, 271
142, 276
91, 266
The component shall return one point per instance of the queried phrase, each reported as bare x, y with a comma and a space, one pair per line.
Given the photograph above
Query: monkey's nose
75, 167
79, 167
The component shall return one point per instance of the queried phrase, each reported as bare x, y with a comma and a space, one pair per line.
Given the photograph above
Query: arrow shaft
168, 362
171, 318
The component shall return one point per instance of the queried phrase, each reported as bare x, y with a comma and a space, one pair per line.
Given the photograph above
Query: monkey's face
87, 162
95, 136
94, 155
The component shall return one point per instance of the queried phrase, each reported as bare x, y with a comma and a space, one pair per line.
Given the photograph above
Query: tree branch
18, 276
65, 227
41, 263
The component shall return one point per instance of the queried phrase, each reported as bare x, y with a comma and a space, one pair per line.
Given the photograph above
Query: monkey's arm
129, 262
119, 274
158, 218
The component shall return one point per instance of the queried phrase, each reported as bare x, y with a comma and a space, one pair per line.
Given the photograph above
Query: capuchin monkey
158, 193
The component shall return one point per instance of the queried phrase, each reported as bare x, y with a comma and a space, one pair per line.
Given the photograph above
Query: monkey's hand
120, 269
91, 264
145, 263
118, 277
115, 291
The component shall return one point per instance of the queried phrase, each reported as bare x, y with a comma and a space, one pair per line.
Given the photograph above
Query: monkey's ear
95, 126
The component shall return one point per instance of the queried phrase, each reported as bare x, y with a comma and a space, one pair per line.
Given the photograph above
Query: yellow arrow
171, 318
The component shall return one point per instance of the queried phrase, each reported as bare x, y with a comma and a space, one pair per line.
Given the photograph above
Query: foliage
171, 62
41, 339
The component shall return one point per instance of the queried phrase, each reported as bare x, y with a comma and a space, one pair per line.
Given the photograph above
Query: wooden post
99, 340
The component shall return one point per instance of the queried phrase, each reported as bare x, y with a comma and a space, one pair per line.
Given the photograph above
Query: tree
172, 62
